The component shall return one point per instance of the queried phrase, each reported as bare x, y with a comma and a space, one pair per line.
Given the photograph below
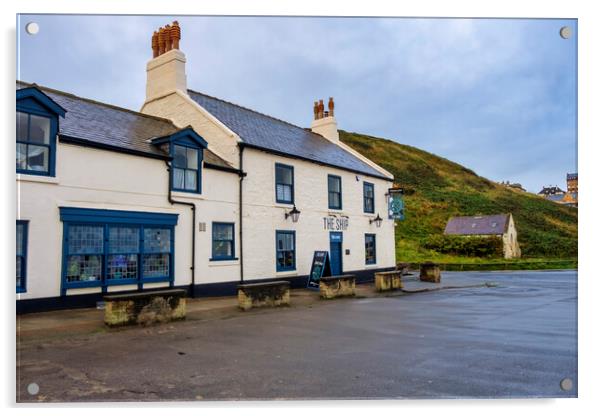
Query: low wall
430, 272
385, 281
255, 295
145, 308
337, 286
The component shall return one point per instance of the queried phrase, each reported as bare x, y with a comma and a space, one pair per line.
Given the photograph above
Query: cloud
497, 95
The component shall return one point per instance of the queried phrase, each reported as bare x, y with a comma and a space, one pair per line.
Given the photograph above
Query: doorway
336, 253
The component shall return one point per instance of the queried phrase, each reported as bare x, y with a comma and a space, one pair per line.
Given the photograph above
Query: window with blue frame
21, 250
37, 127
186, 168
105, 247
285, 251
285, 185
335, 197
370, 244
368, 197
222, 241
34, 147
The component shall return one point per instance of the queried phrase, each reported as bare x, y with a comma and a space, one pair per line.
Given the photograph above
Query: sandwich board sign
320, 266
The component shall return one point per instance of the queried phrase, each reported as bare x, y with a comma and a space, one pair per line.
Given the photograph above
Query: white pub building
191, 192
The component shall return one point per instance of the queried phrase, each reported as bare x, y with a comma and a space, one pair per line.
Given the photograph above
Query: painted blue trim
294, 266
23, 287
369, 185
366, 236
54, 127
187, 136
200, 157
43, 99
108, 219
340, 206
116, 217
292, 169
336, 237
215, 257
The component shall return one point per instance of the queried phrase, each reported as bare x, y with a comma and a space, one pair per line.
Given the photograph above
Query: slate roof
94, 122
266, 132
570, 176
478, 225
551, 190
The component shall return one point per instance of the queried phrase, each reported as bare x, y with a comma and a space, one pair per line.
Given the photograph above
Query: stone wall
256, 295
337, 286
145, 308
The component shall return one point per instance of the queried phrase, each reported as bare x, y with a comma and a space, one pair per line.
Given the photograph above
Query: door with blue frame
336, 253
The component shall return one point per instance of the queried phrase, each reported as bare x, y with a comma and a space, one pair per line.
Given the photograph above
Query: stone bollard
337, 286
385, 281
430, 272
145, 308
404, 268
271, 294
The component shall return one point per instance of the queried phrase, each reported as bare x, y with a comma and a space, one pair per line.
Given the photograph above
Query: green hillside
436, 188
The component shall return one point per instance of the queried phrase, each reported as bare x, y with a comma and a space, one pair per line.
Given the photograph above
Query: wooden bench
145, 308
337, 286
430, 272
385, 281
254, 295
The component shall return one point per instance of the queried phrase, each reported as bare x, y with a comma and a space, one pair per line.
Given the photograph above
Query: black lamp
378, 220
294, 214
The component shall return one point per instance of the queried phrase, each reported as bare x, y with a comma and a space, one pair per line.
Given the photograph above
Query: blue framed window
370, 244
186, 169
34, 147
285, 184
106, 247
222, 247
186, 150
36, 126
21, 250
335, 194
285, 251
369, 197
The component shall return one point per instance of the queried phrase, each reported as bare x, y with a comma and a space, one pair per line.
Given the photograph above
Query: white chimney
324, 122
165, 73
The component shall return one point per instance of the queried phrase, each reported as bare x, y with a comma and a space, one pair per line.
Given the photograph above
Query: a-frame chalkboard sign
320, 266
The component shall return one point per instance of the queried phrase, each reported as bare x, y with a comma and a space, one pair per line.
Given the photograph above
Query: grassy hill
436, 188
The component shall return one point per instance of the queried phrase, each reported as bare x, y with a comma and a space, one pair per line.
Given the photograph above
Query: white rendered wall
262, 216
183, 111
91, 178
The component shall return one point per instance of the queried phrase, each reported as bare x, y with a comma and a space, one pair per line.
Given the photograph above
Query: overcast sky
497, 96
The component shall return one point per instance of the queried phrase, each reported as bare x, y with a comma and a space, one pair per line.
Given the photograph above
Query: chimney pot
331, 106
167, 38
155, 44
161, 41
176, 34
315, 110
321, 109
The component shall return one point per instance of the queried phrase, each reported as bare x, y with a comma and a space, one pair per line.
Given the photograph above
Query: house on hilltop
501, 225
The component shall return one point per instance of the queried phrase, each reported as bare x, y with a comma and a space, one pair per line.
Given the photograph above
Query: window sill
187, 195
222, 260
287, 273
23, 177
284, 204
372, 266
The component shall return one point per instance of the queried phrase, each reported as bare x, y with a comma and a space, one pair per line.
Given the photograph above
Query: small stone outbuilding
501, 225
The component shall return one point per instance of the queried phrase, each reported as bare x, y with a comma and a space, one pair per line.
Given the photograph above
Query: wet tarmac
516, 338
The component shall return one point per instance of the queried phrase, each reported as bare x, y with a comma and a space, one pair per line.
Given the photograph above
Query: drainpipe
193, 208
241, 178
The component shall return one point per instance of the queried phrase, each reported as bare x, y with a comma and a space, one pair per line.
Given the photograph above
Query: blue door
336, 253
